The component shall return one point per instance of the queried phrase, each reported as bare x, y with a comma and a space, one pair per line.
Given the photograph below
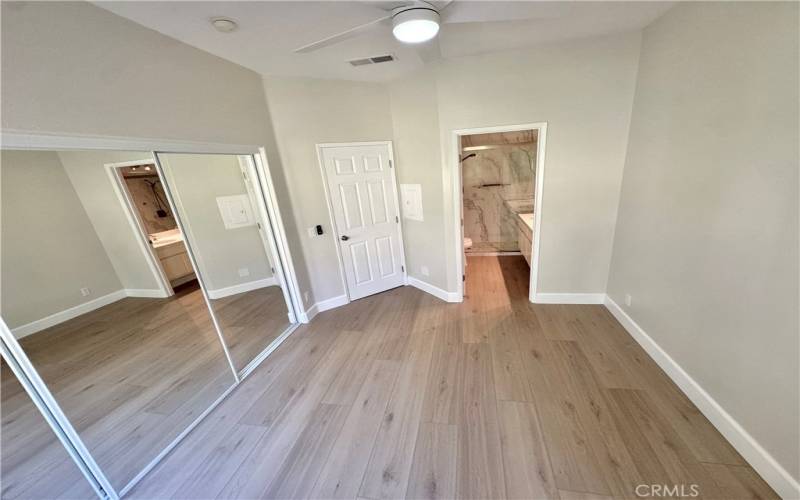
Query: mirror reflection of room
216, 197
131, 362
34, 463
147, 194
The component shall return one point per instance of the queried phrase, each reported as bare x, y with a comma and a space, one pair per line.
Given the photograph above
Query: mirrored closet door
124, 342
218, 201
33, 463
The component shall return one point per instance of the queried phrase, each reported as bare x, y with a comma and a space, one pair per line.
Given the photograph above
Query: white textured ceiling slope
270, 31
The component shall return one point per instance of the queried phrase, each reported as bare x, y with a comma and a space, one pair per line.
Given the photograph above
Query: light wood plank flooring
401, 395
132, 375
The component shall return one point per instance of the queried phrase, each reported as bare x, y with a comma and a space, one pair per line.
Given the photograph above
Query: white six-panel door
363, 198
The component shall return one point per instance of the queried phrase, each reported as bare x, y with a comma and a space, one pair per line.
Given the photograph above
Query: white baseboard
760, 459
242, 287
323, 305
153, 293
433, 290
569, 298
67, 314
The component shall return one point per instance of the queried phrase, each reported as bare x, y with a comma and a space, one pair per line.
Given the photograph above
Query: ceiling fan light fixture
415, 25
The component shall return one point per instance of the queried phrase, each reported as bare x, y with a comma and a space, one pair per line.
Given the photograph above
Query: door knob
345, 237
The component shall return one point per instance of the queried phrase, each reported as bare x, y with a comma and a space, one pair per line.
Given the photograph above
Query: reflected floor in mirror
34, 464
250, 321
132, 375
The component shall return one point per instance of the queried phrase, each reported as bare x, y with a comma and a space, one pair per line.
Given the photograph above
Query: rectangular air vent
372, 60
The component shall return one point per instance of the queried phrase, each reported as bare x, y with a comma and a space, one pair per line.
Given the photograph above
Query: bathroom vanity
171, 251
525, 235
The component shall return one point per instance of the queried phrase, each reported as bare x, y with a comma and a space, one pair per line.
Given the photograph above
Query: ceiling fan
416, 21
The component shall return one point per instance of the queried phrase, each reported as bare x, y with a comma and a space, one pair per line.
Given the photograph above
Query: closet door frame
24, 369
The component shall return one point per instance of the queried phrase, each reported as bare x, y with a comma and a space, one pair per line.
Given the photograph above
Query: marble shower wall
490, 179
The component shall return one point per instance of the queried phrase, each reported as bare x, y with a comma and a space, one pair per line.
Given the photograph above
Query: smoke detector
224, 24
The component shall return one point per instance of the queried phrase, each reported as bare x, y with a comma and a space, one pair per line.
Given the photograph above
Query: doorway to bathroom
140, 191
498, 185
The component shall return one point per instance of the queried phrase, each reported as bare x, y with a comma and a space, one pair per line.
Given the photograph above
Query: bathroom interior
155, 215
498, 174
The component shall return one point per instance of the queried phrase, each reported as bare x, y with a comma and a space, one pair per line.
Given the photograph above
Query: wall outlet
628, 299
85, 292
425, 271
244, 272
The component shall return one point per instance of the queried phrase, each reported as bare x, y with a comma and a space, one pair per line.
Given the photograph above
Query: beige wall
306, 112
49, 247
196, 181
583, 90
707, 236
415, 120
74, 68
87, 172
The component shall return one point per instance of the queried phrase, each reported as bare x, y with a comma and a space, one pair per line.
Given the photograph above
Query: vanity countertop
525, 224
165, 238
527, 219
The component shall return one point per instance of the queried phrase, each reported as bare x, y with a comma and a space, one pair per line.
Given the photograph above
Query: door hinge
258, 224
397, 219
390, 163
403, 268
244, 174
273, 270
463, 277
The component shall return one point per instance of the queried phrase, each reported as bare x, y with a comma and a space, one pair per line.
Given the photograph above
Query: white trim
277, 243
81, 309
242, 287
760, 459
455, 171
135, 221
67, 314
193, 259
23, 139
41, 396
332, 220
323, 305
433, 290
569, 298
252, 365
165, 451
151, 293
336, 233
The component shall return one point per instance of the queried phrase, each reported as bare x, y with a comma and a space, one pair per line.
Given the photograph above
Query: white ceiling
270, 31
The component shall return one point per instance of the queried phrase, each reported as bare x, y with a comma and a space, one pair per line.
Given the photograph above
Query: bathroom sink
165, 238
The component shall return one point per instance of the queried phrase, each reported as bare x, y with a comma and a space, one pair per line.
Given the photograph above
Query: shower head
468, 157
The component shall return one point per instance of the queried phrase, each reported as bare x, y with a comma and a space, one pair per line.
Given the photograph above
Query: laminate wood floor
400, 395
130, 376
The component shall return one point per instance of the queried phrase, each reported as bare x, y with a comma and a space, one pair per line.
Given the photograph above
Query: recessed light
224, 24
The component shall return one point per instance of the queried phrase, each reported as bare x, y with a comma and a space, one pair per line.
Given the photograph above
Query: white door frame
23, 140
458, 202
135, 220
329, 202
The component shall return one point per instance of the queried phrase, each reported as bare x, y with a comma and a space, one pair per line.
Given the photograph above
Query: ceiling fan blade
501, 10
340, 37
